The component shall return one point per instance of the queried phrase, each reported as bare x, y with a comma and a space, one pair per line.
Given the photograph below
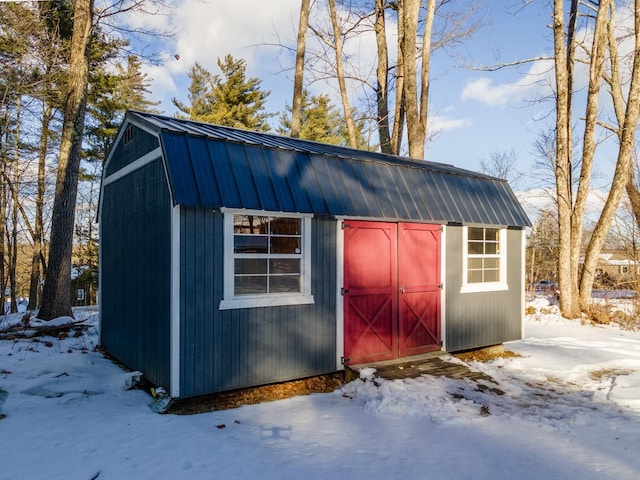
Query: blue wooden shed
231, 258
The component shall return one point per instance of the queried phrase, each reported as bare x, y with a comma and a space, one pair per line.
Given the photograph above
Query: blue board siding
126, 153
228, 349
135, 278
488, 318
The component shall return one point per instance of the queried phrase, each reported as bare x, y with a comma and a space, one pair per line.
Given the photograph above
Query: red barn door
370, 291
391, 290
419, 288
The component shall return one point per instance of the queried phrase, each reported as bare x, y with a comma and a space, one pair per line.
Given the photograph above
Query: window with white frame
484, 259
267, 259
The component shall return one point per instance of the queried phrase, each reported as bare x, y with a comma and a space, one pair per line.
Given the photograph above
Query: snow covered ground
570, 410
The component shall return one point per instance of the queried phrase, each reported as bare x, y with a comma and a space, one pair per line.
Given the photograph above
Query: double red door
391, 290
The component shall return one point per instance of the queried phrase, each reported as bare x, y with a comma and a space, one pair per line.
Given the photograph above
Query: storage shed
231, 258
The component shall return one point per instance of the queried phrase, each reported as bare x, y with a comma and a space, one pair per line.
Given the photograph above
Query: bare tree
382, 78
337, 46
298, 85
56, 301
563, 59
627, 127
401, 90
503, 164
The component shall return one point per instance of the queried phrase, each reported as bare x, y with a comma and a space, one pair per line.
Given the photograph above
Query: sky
475, 113
570, 410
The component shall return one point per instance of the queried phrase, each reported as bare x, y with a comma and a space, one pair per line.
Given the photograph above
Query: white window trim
229, 301
485, 286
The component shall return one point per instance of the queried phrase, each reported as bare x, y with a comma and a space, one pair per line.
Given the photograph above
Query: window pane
285, 245
284, 265
491, 276
286, 226
475, 248
250, 266
475, 233
250, 244
491, 263
491, 234
247, 285
491, 248
475, 276
475, 264
250, 224
284, 283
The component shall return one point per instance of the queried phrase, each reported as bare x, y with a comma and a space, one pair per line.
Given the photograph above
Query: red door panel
419, 288
391, 290
370, 292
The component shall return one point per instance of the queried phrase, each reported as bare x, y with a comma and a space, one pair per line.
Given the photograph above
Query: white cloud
207, 30
442, 123
535, 200
535, 83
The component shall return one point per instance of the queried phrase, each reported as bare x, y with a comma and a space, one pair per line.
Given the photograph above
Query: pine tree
200, 95
112, 94
320, 120
229, 99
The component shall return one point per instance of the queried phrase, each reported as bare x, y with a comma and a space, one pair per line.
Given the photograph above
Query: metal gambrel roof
212, 166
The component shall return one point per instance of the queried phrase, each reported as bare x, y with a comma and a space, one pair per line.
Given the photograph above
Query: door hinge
344, 360
441, 286
345, 225
344, 290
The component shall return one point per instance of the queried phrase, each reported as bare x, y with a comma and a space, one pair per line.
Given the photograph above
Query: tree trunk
596, 66
426, 64
56, 296
415, 131
622, 171
337, 38
568, 307
382, 74
399, 109
3, 219
296, 106
12, 236
34, 283
634, 198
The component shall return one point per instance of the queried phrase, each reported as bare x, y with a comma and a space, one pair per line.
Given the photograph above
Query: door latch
402, 289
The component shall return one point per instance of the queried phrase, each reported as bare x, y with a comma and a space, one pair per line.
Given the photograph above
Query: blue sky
476, 112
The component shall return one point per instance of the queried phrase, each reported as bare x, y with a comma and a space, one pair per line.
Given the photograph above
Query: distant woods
360, 75
64, 87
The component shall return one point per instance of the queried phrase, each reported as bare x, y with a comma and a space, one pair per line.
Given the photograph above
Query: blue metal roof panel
262, 178
291, 172
362, 183
470, 200
310, 184
335, 198
414, 203
180, 171
205, 177
215, 167
243, 177
278, 177
221, 163
344, 186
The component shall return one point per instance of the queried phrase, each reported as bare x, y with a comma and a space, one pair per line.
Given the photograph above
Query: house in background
232, 258
618, 269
